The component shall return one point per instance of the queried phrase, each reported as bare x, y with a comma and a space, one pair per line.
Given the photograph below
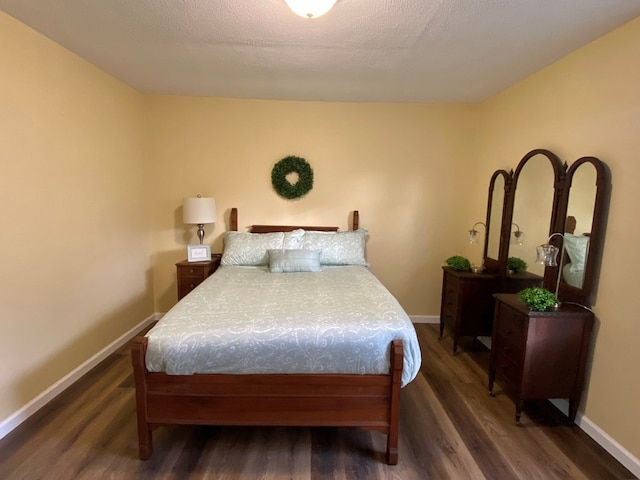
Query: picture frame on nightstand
198, 253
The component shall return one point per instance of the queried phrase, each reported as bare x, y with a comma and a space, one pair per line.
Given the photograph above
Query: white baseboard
424, 318
14, 420
602, 438
486, 341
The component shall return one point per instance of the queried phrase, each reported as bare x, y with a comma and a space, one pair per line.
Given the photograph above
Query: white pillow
242, 248
297, 260
293, 239
338, 248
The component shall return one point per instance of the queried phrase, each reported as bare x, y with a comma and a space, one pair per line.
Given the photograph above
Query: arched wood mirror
498, 191
532, 208
582, 220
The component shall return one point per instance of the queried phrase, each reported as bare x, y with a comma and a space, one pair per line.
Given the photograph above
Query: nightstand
540, 354
192, 274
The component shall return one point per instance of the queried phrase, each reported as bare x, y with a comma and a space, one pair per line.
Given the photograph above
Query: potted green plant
459, 263
538, 299
515, 265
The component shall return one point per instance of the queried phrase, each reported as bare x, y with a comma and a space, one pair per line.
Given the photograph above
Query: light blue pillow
241, 248
295, 260
576, 247
338, 248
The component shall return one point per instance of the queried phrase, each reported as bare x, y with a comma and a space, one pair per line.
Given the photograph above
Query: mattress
246, 320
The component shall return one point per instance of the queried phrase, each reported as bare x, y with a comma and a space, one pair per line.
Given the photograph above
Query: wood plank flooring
450, 429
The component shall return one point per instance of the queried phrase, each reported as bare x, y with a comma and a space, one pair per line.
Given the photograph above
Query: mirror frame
493, 265
559, 172
566, 292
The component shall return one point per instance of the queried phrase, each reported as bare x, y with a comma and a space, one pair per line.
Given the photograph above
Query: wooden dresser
467, 303
540, 354
192, 274
467, 300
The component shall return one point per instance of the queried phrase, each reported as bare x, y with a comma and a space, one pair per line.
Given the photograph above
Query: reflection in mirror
517, 235
583, 210
533, 208
578, 224
495, 219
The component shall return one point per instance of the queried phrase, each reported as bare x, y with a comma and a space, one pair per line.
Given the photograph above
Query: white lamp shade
199, 210
310, 8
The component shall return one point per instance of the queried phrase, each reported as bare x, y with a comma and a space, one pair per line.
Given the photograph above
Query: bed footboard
367, 401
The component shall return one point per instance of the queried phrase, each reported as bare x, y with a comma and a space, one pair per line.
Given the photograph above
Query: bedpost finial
233, 220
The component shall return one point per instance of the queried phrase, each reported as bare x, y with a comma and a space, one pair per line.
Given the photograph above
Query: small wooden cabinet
467, 303
192, 274
540, 354
467, 300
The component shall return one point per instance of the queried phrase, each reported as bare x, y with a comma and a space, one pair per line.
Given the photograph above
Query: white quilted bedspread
246, 320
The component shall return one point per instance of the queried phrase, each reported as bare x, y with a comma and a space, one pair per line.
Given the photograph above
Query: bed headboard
233, 224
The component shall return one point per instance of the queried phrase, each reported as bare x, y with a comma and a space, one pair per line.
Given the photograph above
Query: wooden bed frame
366, 401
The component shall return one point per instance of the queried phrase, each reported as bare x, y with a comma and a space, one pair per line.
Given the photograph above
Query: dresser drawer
511, 326
507, 349
450, 294
506, 368
448, 318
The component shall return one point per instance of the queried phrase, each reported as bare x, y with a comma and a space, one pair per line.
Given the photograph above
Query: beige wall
74, 246
589, 104
401, 166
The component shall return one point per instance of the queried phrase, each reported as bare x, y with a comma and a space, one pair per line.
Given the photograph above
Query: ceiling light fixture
310, 8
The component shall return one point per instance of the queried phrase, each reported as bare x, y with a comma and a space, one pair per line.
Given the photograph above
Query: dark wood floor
450, 429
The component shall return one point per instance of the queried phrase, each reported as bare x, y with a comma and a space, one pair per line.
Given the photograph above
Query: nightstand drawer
197, 271
189, 283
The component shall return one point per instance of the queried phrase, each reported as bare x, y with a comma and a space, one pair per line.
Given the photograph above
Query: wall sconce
198, 211
310, 8
518, 236
547, 254
473, 233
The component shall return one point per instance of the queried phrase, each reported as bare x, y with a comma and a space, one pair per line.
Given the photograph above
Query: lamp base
201, 232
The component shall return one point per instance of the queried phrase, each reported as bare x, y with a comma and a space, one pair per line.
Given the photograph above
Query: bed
307, 347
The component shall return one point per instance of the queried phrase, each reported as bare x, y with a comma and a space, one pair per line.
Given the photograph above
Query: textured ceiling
361, 51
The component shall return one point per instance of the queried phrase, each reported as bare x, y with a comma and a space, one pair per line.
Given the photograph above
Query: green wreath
288, 165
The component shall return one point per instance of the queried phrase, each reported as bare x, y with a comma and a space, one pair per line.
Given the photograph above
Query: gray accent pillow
294, 260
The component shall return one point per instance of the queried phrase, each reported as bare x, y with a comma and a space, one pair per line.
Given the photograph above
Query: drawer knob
192, 286
192, 270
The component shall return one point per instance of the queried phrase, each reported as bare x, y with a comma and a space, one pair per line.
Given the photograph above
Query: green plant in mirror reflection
516, 264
